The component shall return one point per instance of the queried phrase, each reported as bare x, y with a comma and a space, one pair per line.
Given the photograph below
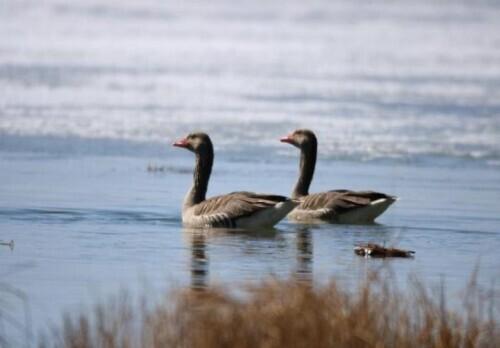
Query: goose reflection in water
199, 260
304, 243
198, 242
199, 239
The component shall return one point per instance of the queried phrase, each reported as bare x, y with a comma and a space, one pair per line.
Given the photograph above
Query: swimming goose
233, 210
341, 206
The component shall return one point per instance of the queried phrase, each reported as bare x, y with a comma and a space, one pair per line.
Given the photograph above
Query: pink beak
181, 143
287, 139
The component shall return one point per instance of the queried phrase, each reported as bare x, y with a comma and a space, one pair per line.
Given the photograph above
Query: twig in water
375, 250
9, 244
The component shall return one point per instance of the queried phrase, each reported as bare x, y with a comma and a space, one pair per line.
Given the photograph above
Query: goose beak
287, 139
181, 143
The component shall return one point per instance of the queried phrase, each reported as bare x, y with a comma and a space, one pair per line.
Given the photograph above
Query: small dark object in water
9, 244
155, 168
375, 250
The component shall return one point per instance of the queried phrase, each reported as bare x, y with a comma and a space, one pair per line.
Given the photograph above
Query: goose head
301, 138
199, 143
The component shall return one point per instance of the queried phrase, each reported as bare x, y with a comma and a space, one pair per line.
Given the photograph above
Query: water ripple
64, 215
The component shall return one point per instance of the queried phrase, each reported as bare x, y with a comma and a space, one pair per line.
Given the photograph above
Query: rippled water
404, 97
86, 226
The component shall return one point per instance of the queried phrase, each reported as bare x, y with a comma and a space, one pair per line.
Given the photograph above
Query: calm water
405, 99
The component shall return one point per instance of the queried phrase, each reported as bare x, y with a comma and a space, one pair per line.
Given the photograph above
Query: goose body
238, 210
234, 210
338, 206
342, 206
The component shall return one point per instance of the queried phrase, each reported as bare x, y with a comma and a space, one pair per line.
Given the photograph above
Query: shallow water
404, 98
85, 227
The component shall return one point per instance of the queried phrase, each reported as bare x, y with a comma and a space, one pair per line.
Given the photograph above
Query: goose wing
224, 210
336, 202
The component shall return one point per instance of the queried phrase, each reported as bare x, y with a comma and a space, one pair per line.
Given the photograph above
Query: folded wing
228, 210
344, 206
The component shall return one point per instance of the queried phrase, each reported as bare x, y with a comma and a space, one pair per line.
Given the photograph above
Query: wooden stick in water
375, 250
9, 244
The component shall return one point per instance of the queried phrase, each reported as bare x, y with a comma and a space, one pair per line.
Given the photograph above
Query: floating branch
9, 244
375, 250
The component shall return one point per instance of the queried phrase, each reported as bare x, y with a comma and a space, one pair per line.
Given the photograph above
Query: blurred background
398, 79
403, 95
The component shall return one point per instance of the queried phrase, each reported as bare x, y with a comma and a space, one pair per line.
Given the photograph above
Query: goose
338, 206
245, 210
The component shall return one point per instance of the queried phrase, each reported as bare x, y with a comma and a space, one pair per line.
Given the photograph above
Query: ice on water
392, 80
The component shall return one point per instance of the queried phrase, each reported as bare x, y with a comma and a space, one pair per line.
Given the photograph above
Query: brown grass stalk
287, 313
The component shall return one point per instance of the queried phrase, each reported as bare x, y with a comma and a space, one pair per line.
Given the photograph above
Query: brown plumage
341, 206
338, 202
238, 203
233, 210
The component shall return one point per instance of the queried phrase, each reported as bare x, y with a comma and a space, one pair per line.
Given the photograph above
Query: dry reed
278, 313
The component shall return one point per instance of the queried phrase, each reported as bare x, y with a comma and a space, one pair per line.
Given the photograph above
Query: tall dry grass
278, 313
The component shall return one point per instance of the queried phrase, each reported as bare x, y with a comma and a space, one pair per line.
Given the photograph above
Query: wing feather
225, 209
340, 201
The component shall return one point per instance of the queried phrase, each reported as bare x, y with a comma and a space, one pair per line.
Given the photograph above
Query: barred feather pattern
330, 204
224, 211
